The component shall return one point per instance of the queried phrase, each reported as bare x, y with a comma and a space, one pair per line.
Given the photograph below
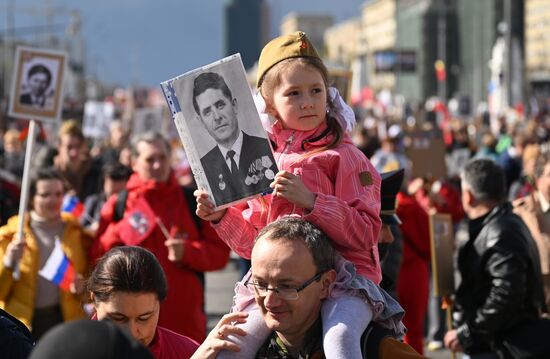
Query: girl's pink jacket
347, 204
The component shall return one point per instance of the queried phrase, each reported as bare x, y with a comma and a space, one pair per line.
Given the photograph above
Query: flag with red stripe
58, 268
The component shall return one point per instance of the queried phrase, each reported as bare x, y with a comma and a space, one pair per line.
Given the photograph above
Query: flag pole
24, 199
163, 228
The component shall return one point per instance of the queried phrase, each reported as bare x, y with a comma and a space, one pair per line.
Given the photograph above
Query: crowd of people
340, 250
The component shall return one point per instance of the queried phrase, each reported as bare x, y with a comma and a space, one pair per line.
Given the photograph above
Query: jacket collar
475, 226
137, 183
301, 140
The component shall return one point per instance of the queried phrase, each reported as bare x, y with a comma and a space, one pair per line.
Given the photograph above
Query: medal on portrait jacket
259, 169
221, 182
266, 163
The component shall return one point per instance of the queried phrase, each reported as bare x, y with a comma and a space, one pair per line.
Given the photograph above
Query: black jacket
16, 342
501, 283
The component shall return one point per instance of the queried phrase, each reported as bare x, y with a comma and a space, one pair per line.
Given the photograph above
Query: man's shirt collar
237, 146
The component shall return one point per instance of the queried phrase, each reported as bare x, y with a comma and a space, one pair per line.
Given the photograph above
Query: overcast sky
149, 41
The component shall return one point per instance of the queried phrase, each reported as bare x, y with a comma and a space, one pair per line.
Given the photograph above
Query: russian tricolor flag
58, 269
71, 204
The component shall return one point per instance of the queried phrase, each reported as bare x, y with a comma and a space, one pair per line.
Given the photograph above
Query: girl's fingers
279, 189
283, 174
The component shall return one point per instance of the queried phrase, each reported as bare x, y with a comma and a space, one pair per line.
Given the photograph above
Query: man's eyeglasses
287, 293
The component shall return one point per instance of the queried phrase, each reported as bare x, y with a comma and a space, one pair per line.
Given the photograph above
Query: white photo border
186, 121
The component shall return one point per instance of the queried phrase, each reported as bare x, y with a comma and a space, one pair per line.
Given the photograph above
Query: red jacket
415, 228
182, 310
169, 345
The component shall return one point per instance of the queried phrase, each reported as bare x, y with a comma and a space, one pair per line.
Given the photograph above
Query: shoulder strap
120, 205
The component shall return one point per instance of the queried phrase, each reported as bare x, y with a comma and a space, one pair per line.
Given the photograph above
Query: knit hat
389, 187
85, 339
282, 48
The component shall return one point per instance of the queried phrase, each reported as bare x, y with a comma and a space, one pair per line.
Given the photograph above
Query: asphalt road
219, 296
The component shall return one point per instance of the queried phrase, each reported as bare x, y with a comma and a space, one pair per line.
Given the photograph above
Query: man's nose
217, 115
271, 299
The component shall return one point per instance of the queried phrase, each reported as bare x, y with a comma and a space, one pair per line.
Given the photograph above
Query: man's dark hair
209, 80
485, 179
127, 269
117, 171
293, 229
36, 69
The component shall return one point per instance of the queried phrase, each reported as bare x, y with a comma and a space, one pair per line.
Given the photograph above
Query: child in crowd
323, 178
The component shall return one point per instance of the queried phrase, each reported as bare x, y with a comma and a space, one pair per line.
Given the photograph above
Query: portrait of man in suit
240, 165
39, 78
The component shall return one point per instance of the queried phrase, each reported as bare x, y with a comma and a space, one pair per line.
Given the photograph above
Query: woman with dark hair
127, 287
38, 302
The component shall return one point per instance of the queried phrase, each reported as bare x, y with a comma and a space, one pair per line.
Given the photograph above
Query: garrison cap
284, 47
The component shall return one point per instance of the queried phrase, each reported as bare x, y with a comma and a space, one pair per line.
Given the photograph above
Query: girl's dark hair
127, 269
272, 79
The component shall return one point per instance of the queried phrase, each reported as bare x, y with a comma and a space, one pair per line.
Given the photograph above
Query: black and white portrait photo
227, 137
36, 90
37, 83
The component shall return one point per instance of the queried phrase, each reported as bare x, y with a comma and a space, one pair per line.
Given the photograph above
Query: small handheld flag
71, 204
58, 269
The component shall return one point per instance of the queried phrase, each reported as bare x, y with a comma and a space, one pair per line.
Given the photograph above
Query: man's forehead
211, 95
281, 256
149, 148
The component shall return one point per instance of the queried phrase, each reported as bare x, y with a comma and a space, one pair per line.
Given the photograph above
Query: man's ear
235, 104
326, 280
469, 197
